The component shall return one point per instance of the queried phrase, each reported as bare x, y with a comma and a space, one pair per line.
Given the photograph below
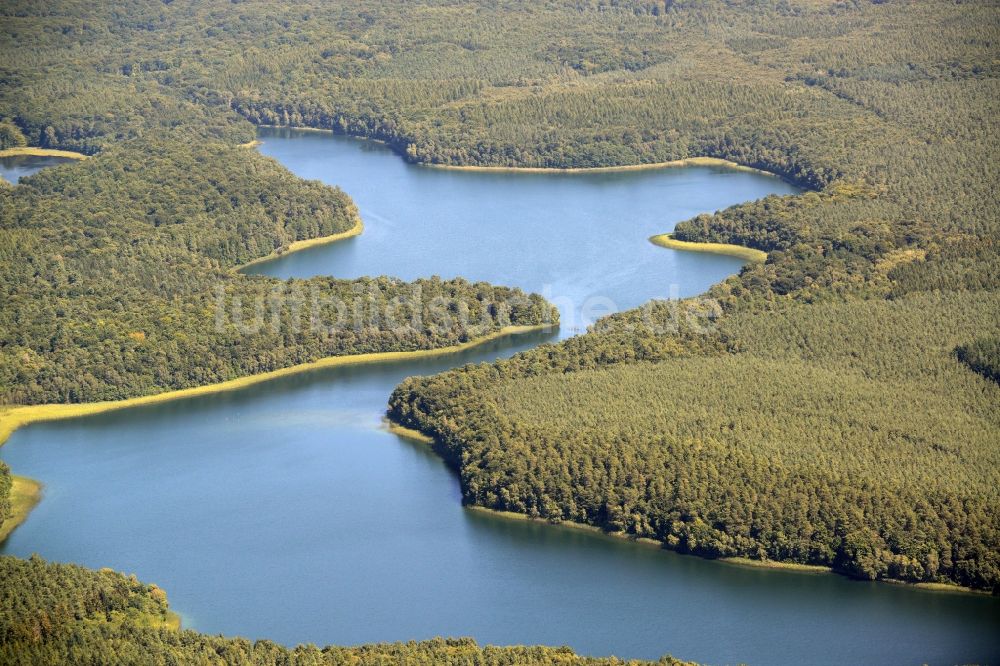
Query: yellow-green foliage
112, 271
24, 494
295, 246
880, 459
53, 614
41, 152
14, 417
886, 110
42, 601
5, 488
11, 137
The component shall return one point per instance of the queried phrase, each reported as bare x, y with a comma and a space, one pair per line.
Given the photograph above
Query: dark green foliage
964, 264
983, 356
880, 460
824, 418
65, 614
43, 601
114, 270
839, 431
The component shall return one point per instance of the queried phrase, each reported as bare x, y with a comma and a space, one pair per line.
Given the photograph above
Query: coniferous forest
66, 614
842, 410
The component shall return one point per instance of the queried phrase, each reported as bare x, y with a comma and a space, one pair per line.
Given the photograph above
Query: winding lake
286, 510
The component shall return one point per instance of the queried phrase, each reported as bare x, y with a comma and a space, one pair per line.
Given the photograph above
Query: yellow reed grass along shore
688, 161
41, 152
818, 569
312, 129
311, 242
512, 515
567, 524
947, 588
773, 564
24, 495
407, 433
13, 417
169, 620
746, 253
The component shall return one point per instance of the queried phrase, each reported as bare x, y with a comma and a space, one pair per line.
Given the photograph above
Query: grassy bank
774, 564
41, 152
311, 242
651, 166
13, 417
746, 253
689, 161
298, 128
567, 524
939, 587
408, 433
25, 493
512, 515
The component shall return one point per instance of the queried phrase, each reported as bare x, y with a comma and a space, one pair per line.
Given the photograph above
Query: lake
579, 239
287, 511
15, 167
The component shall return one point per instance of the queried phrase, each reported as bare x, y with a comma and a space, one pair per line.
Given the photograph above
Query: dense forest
843, 408
780, 443
118, 281
65, 614
983, 356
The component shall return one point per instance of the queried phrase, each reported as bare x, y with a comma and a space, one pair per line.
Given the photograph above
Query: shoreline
25, 494
13, 417
17, 416
649, 166
774, 565
41, 152
702, 160
777, 564
307, 243
310, 129
567, 524
406, 433
172, 620
740, 251
947, 588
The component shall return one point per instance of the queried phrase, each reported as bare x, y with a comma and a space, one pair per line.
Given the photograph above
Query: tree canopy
841, 410
65, 614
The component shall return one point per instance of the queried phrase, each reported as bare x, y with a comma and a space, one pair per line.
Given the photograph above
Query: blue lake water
287, 511
14, 168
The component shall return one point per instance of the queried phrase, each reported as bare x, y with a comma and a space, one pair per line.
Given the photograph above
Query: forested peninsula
841, 411
128, 286
54, 614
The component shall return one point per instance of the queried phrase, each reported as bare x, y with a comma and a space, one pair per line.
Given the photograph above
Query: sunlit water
16, 167
286, 511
